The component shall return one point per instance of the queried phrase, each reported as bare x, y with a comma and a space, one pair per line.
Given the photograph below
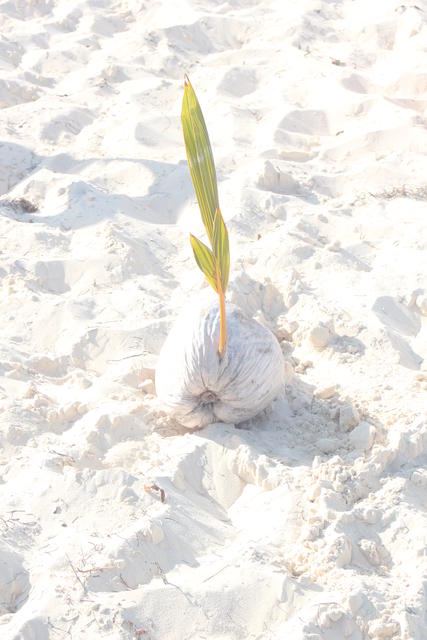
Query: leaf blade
221, 248
199, 157
205, 260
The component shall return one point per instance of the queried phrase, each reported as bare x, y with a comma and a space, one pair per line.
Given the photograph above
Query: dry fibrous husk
198, 387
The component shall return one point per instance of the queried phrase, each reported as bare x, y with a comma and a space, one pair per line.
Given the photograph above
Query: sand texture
309, 521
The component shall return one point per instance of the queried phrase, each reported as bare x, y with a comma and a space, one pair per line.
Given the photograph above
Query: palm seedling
214, 261
212, 368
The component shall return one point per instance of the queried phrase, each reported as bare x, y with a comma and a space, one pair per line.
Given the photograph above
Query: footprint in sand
106, 26
69, 123
400, 321
239, 82
70, 21
10, 54
358, 84
14, 580
15, 162
299, 132
397, 316
22, 10
309, 122
206, 35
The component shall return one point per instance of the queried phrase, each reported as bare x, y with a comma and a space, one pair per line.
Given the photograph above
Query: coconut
198, 387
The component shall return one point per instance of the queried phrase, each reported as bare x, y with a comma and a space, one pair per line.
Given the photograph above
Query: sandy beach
308, 522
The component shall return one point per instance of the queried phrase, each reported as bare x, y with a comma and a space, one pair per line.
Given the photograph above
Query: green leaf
205, 260
221, 248
199, 157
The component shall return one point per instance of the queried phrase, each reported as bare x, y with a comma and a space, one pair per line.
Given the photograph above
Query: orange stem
222, 317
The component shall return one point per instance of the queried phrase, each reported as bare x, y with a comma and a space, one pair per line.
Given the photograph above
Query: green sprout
214, 261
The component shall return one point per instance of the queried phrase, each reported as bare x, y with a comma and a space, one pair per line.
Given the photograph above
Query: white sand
309, 522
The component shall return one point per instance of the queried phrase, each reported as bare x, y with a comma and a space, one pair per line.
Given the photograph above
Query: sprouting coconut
217, 365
